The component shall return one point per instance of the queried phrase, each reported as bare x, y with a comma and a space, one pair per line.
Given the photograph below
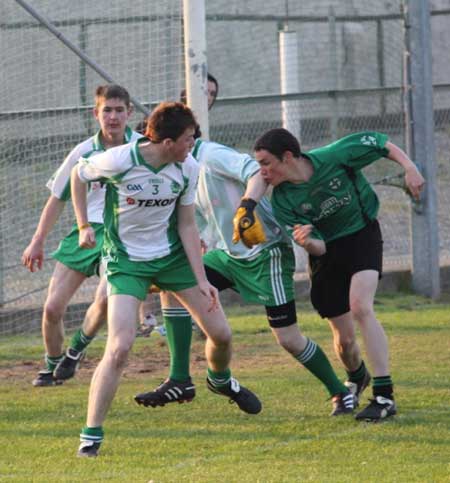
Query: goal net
340, 66
46, 109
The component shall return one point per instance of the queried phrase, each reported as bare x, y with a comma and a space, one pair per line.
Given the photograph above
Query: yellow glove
247, 225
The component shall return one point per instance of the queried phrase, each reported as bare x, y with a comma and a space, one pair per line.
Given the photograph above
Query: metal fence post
334, 73
424, 218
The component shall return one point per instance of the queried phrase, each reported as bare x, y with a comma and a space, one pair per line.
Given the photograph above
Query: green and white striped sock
80, 341
95, 434
314, 359
52, 362
219, 379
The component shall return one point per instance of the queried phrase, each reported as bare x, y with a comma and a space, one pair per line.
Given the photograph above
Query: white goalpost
195, 60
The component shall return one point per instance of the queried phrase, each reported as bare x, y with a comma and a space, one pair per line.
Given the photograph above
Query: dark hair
112, 91
211, 78
198, 132
277, 142
141, 126
169, 120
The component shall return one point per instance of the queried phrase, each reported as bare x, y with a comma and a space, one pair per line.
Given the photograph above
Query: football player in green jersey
323, 200
262, 275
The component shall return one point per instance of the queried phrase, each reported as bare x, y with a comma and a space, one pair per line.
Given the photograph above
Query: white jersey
59, 183
223, 178
140, 203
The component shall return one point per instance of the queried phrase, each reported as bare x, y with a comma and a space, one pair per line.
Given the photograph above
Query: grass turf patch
208, 440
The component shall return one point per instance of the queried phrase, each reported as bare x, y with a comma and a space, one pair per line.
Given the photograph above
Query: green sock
356, 376
314, 359
219, 379
52, 362
92, 434
80, 341
178, 325
382, 386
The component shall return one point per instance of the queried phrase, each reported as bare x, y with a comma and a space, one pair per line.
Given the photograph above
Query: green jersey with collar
140, 204
59, 183
337, 199
224, 174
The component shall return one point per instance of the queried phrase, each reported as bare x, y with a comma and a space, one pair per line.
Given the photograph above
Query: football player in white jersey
151, 238
74, 265
149, 322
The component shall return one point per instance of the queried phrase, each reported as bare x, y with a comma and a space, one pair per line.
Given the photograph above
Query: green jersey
337, 199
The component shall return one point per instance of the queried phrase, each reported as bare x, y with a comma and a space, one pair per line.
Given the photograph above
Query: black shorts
331, 274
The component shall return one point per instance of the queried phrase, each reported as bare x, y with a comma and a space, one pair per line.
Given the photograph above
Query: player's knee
118, 354
53, 310
219, 335
345, 342
288, 345
361, 310
283, 322
290, 338
101, 305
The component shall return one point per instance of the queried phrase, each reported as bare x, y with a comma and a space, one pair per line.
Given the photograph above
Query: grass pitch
292, 440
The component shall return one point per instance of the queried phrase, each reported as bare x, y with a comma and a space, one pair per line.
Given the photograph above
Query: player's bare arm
301, 235
79, 193
33, 255
190, 238
413, 179
256, 187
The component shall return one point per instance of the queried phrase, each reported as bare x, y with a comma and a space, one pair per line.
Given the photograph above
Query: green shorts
266, 279
83, 260
172, 272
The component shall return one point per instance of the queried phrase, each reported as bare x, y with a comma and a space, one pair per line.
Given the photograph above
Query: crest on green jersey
305, 207
369, 140
175, 187
335, 183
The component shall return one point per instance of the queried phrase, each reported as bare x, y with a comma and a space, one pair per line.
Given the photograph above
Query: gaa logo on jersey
175, 187
369, 141
134, 187
335, 183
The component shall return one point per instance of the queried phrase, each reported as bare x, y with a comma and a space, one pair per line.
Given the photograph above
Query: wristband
85, 225
248, 203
